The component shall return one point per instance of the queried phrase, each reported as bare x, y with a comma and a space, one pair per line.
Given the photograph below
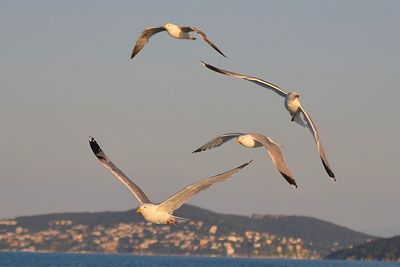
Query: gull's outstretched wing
136, 191
204, 37
311, 126
276, 155
144, 38
177, 200
217, 141
255, 80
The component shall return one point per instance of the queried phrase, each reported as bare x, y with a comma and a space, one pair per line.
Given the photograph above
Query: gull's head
168, 25
246, 140
293, 95
145, 208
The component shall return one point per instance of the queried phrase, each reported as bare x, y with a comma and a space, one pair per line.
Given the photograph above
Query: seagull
161, 213
174, 31
253, 140
292, 104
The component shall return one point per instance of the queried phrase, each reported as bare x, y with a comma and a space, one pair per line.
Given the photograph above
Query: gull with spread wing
253, 140
292, 104
174, 31
160, 213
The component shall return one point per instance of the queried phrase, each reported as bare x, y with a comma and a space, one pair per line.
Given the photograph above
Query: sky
66, 74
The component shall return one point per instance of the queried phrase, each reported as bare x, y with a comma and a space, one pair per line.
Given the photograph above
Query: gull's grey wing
177, 200
144, 38
187, 29
204, 37
217, 141
136, 191
276, 155
311, 126
255, 80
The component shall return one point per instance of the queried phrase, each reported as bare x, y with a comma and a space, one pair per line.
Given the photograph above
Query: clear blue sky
66, 74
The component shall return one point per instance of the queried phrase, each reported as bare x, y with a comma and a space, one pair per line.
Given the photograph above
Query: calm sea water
99, 260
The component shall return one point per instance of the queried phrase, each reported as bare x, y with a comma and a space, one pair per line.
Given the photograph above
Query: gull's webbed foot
171, 221
297, 113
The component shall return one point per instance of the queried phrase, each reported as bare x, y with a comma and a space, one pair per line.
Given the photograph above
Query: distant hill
387, 249
256, 235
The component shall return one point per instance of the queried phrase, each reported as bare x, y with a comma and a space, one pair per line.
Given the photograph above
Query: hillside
387, 249
211, 234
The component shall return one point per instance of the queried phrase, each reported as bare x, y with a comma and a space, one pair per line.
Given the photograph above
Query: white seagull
252, 140
174, 31
292, 104
160, 213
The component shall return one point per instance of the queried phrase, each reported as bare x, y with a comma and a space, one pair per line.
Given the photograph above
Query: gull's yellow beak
138, 210
237, 140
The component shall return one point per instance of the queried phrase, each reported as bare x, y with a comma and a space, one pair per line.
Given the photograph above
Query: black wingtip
245, 164
328, 170
289, 179
198, 150
218, 50
211, 67
134, 53
94, 146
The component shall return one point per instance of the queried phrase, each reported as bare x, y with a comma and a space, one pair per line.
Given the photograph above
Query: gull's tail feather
180, 219
300, 120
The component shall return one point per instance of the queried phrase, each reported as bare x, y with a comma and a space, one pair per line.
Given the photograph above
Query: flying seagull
160, 213
252, 140
173, 30
292, 104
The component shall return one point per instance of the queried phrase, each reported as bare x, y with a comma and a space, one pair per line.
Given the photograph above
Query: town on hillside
194, 238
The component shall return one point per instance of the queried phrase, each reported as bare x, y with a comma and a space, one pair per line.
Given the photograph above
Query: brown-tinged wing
177, 200
255, 80
136, 191
217, 141
204, 37
313, 129
276, 155
144, 38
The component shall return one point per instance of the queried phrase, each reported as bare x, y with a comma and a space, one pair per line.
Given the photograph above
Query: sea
23, 259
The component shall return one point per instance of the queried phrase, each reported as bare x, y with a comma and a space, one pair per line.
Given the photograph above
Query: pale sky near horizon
66, 74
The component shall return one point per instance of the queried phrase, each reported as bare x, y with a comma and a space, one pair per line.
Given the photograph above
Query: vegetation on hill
387, 249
